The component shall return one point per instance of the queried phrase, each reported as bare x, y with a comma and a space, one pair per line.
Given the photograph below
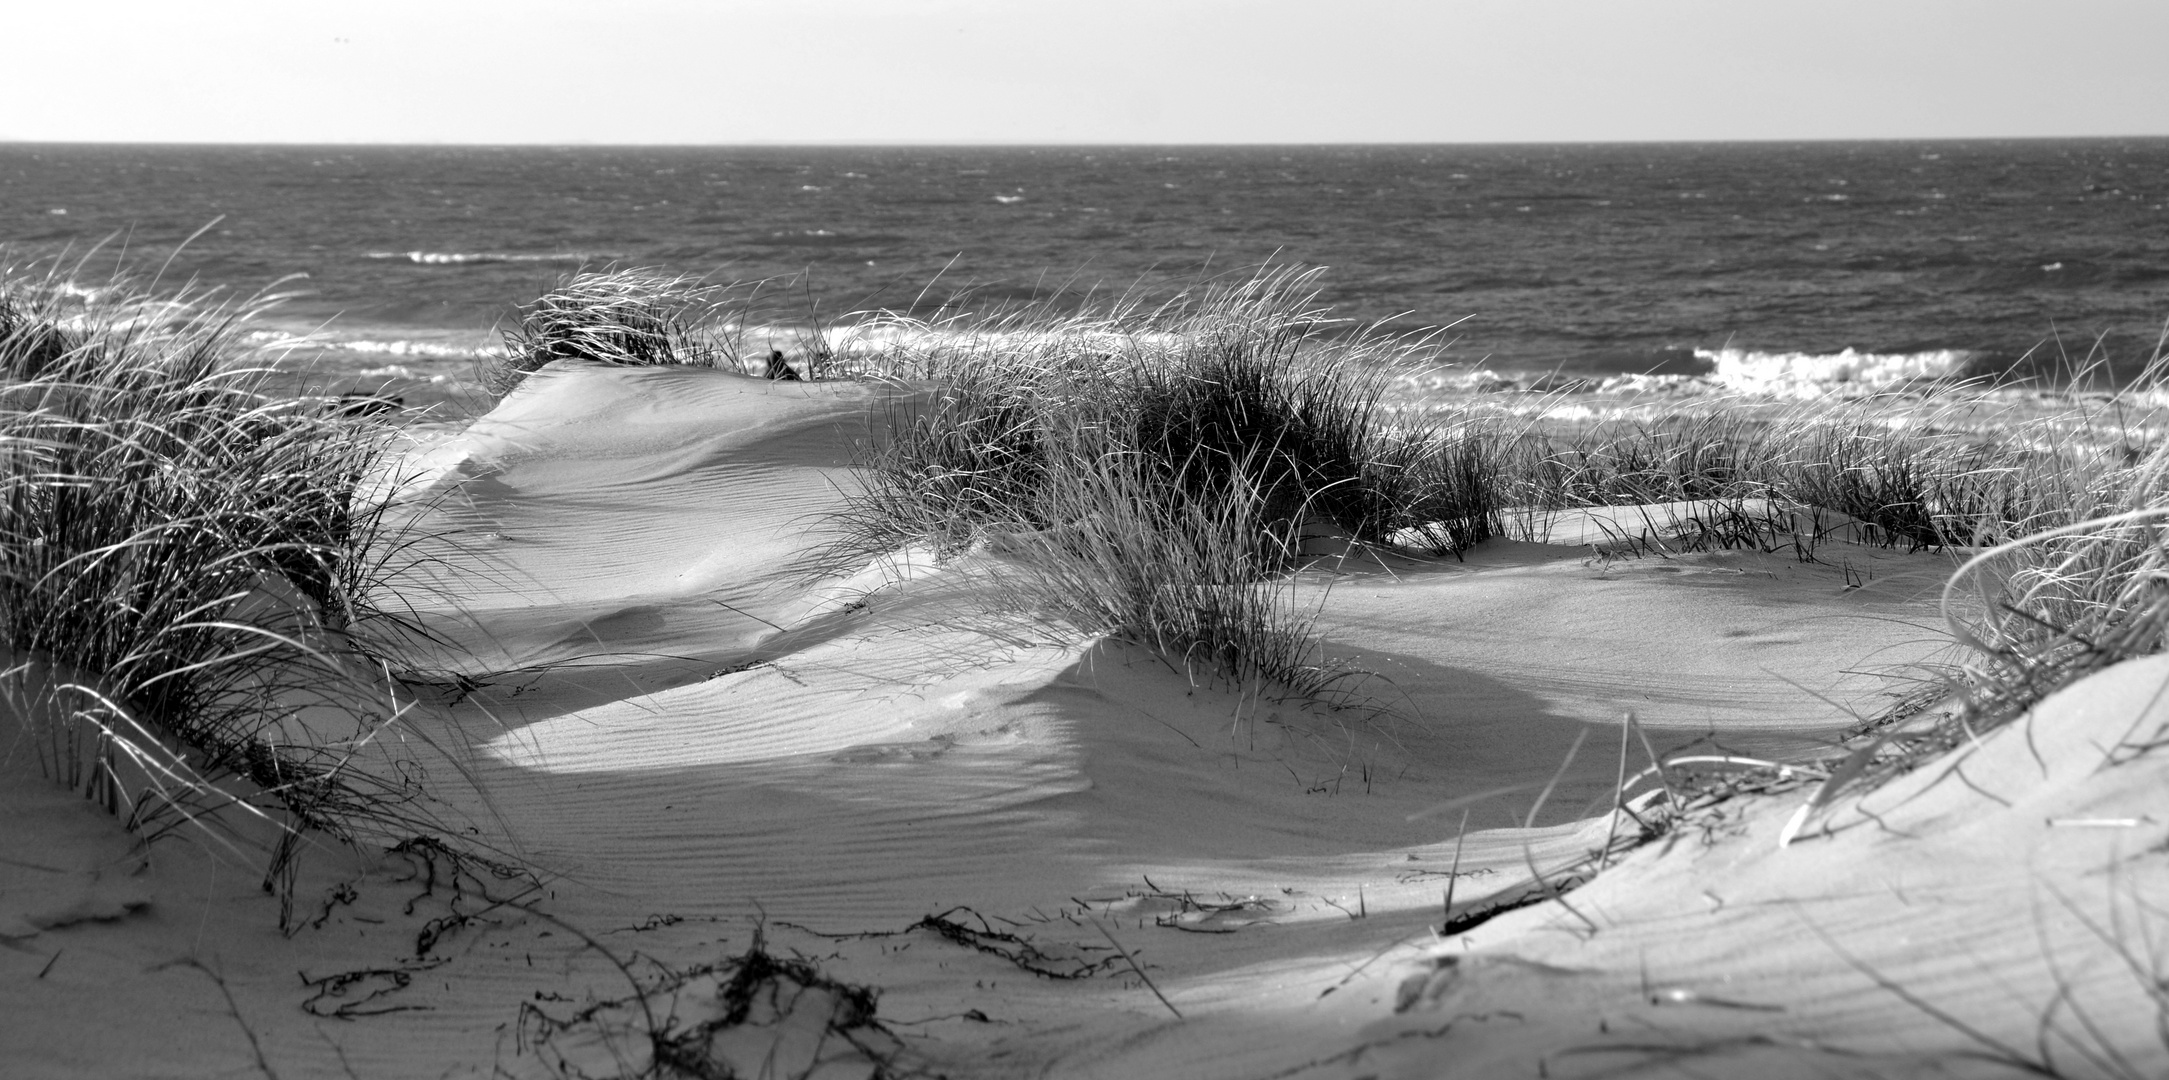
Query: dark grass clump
1153, 474
1626, 462
181, 559
1177, 560
1914, 470
1926, 489
2063, 603
628, 318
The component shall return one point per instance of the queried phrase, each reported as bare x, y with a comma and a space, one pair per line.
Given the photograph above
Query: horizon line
811, 144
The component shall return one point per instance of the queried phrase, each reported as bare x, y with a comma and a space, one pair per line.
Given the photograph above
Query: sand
643, 697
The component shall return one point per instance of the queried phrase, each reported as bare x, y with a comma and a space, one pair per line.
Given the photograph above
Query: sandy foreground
1007, 832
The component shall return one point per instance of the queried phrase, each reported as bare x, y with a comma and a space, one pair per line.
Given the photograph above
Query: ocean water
1794, 264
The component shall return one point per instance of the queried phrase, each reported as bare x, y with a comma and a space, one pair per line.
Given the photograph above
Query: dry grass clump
179, 557
2066, 602
1920, 470
630, 317
1931, 484
1688, 455
1178, 561
1458, 484
1147, 472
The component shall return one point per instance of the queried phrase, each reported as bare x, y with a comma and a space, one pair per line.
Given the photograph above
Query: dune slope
1050, 855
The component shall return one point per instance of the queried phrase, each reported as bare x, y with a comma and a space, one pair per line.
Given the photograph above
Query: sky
1080, 71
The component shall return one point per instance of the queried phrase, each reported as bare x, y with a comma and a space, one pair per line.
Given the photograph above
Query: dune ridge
695, 747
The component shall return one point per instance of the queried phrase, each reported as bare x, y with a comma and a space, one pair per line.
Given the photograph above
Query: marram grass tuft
182, 561
628, 317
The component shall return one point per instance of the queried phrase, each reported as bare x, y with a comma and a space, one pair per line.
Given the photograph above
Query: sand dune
694, 744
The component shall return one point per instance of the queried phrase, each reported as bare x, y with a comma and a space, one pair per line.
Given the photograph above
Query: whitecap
461, 258
1808, 375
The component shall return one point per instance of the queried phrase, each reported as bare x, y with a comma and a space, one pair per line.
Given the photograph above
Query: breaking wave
428, 350
1724, 373
461, 258
1809, 375
402, 371
449, 347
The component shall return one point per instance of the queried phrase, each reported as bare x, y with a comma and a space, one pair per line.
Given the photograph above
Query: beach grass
627, 317
182, 564
1154, 472
2066, 602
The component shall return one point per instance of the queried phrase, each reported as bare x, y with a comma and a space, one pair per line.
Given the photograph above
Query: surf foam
1810, 375
457, 258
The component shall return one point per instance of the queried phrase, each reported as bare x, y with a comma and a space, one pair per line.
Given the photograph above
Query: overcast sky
1099, 71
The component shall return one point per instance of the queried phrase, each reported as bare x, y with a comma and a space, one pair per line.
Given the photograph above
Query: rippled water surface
1585, 259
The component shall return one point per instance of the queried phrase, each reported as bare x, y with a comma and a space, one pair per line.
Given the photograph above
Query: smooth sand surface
640, 692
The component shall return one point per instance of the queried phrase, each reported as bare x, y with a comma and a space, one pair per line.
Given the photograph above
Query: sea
1809, 265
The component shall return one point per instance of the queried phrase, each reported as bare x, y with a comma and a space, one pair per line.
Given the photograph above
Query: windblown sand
640, 694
